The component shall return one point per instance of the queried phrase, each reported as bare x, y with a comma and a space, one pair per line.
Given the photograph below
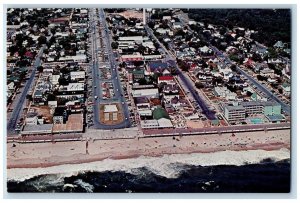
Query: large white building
149, 93
137, 39
110, 108
75, 87
160, 123
77, 75
162, 30
234, 114
225, 93
78, 58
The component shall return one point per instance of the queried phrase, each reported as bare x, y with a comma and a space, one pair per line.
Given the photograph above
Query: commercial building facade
238, 113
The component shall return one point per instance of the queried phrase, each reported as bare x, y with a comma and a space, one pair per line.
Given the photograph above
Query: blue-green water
256, 120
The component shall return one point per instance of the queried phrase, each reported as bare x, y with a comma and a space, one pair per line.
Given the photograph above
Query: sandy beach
35, 155
169, 166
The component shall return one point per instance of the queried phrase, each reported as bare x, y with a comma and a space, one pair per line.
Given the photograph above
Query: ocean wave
170, 166
88, 187
43, 182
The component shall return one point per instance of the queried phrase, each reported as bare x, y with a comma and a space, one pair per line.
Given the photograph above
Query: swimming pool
256, 120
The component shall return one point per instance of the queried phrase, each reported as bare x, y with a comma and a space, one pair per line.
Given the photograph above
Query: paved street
97, 90
17, 110
169, 57
286, 108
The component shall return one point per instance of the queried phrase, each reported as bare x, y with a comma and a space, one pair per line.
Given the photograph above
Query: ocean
266, 176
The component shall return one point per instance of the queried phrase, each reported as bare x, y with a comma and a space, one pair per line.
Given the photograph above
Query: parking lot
107, 90
105, 72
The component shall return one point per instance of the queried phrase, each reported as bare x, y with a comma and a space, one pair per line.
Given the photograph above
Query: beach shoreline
160, 165
89, 159
43, 155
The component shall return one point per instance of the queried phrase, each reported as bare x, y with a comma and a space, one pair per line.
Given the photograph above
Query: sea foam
169, 166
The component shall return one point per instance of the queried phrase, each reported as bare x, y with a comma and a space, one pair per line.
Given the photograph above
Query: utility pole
86, 147
144, 16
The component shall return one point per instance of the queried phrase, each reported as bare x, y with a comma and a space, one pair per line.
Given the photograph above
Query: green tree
29, 97
51, 97
161, 86
142, 81
256, 57
40, 69
138, 63
151, 24
199, 85
233, 68
122, 65
141, 49
249, 94
42, 40
65, 70
63, 81
260, 77
234, 58
114, 45
183, 66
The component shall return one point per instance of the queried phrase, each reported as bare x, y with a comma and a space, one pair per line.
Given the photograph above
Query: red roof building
193, 67
132, 57
166, 79
28, 54
249, 62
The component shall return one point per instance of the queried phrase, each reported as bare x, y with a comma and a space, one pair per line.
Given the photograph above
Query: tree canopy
272, 24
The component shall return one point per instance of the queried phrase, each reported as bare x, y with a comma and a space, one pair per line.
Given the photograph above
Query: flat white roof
55, 77
164, 123
110, 108
75, 87
134, 55
144, 92
149, 124
161, 123
77, 73
145, 112
133, 38
52, 103
77, 57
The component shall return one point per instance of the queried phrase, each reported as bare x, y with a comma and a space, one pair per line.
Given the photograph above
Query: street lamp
125, 122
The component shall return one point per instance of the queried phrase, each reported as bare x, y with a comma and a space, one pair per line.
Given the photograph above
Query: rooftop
131, 38
159, 113
110, 108
59, 111
144, 92
276, 117
229, 107
33, 129
75, 87
140, 100
165, 78
74, 124
259, 103
157, 64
